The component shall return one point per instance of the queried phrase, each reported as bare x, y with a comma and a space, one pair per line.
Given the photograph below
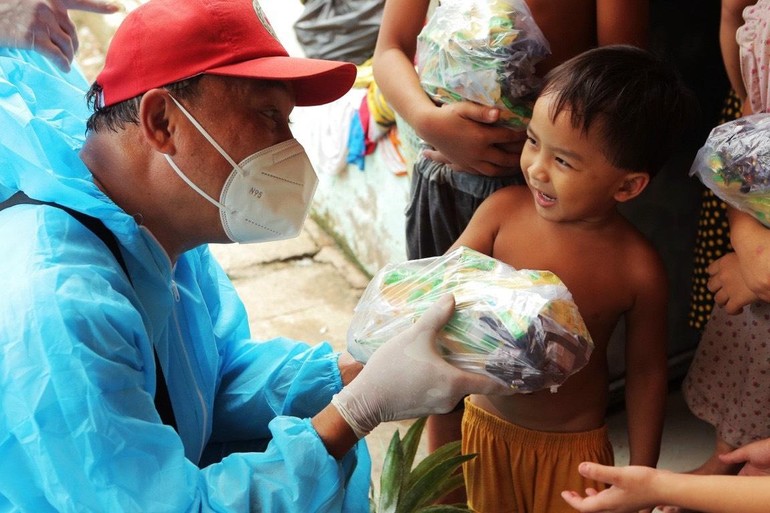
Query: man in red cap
129, 380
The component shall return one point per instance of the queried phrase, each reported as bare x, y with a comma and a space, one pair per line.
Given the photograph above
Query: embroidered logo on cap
263, 18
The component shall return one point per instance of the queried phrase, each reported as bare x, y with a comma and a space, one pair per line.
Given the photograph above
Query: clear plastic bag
735, 164
483, 51
518, 326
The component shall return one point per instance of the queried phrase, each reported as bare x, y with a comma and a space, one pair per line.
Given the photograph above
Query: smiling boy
605, 123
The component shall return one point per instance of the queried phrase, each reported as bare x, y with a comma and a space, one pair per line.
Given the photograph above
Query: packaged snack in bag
735, 164
519, 326
483, 51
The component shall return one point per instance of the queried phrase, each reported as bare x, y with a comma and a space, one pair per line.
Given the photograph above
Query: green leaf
446, 486
411, 441
443, 508
407, 490
429, 480
443, 453
392, 476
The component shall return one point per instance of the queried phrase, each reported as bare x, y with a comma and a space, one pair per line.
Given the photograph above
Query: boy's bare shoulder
509, 194
645, 265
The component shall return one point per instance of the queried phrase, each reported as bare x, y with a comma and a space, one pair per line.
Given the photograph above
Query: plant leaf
443, 508
411, 441
446, 486
391, 478
434, 484
433, 478
443, 453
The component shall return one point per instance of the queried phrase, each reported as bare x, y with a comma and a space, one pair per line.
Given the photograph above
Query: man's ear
155, 122
632, 186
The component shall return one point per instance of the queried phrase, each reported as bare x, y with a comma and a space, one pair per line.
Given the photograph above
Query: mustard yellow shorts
518, 470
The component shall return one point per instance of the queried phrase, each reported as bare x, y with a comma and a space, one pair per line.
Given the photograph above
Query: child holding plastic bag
735, 164
605, 122
467, 154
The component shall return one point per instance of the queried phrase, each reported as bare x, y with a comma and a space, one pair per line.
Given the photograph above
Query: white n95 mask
267, 195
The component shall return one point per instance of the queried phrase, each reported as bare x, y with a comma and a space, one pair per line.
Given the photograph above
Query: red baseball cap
164, 41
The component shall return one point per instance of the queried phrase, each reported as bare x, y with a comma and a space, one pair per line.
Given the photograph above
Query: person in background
466, 156
727, 384
128, 375
45, 26
606, 121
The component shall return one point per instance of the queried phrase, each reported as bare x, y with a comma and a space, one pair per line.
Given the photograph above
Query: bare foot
715, 466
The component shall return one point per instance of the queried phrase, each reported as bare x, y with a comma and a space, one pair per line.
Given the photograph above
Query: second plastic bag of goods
483, 51
735, 164
519, 326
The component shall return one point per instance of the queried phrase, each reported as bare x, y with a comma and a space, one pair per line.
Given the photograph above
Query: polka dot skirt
728, 384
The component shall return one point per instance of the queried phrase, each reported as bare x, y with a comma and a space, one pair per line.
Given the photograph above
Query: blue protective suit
78, 426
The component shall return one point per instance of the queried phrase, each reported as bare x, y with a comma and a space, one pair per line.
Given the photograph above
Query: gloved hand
407, 378
45, 26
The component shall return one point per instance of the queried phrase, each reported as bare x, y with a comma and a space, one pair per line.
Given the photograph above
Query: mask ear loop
192, 185
214, 144
206, 135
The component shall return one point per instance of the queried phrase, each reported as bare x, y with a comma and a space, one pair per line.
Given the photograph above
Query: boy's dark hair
641, 103
115, 117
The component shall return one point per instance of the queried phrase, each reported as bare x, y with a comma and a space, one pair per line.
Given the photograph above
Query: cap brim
315, 81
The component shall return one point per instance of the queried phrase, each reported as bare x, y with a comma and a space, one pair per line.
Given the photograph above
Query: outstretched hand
755, 455
45, 26
629, 491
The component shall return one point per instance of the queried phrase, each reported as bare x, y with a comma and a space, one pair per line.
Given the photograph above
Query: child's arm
479, 235
461, 132
751, 242
636, 487
740, 278
646, 366
623, 22
727, 283
485, 224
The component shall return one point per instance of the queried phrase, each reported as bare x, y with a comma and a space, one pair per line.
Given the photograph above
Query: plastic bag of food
735, 164
519, 326
483, 51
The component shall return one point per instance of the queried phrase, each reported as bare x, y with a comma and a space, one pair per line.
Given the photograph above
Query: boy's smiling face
565, 168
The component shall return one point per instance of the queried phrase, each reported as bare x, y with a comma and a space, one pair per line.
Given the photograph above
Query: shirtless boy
468, 156
605, 123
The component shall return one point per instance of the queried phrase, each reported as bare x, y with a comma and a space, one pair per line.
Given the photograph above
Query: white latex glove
407, 378
45, 26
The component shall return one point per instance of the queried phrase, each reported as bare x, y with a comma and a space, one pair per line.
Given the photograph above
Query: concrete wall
364, 210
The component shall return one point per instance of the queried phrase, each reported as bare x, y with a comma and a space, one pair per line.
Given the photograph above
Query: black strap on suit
162, 398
